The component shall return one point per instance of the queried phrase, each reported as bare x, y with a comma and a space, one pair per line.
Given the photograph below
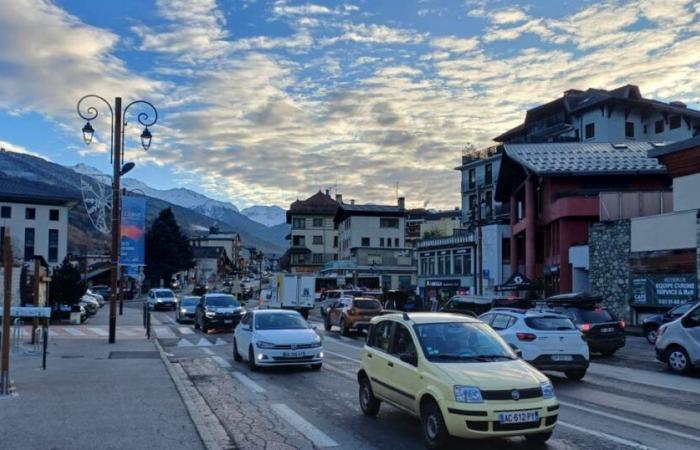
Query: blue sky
262, 101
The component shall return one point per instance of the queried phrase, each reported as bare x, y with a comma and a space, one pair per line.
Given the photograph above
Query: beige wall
445, 226
686, 192
672, 231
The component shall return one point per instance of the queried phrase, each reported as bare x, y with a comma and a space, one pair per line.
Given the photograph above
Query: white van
678, 342
292, 292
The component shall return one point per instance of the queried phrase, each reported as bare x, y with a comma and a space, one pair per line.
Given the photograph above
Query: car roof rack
509, 309
576, 298
405, 316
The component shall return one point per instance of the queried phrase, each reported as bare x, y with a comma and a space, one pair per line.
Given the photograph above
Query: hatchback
352, 314
678, 342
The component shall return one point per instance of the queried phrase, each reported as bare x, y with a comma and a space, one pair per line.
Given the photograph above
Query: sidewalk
94, 395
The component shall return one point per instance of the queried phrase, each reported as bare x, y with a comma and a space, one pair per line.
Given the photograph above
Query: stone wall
609, 249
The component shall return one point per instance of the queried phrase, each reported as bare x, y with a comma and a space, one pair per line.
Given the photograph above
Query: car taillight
622, 324
586, 327
527, 337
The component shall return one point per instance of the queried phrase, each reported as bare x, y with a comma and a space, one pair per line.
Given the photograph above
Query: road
624, 402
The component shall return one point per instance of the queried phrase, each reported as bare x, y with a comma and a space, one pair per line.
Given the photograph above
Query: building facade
229, 241
446, 267
314, 237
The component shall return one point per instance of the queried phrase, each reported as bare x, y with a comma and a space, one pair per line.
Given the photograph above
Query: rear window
597, 315
549, 323
164, 294
367, 304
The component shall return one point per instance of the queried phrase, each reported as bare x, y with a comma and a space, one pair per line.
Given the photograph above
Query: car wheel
538, 438
434, 430
576, 375
251, 360
651, 334
607, 352
344, 330
368, 402
316, 366
236, 356
678, 360
327, 323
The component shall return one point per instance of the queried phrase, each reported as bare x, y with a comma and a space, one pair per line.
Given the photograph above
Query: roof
346, 210
207, 252
319, 203
427, 317
582, 158
663, 150
18, 190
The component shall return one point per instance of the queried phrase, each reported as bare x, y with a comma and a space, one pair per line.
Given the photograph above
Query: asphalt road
627, 401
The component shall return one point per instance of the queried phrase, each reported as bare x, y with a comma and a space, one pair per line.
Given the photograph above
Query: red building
553, 193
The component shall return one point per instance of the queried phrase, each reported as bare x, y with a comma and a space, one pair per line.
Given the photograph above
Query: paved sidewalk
94, 395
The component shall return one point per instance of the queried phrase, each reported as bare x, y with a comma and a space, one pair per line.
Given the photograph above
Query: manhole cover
133, 355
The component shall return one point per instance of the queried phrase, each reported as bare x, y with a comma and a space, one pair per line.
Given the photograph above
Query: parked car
402, 300
472, 305
457, 375
100, 299
335, 294
547, 341
161, 299
678, 342
277, 337
651, 324
63, 312
186, 309
217, 311
352, 314
90, 303
604, 333
103, 290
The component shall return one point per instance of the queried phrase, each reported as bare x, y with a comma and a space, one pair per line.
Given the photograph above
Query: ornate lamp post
118, 117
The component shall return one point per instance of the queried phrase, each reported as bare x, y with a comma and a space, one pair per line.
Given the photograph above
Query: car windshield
223, 301
287, 321
592, 315
190, 301
549, 323
366, 304
682, 309
164, 294
462, 342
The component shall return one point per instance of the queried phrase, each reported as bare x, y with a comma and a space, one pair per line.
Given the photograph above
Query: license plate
292, 354
228, 321
562, 358
607, 330
519, 417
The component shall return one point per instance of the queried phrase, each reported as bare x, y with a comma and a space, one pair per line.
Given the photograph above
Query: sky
267, 101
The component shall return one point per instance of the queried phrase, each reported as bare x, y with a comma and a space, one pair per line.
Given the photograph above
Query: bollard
45, 342
148, 324
16, 335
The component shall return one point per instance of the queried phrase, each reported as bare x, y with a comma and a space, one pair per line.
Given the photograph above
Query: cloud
455, 44
509, 15
375, 34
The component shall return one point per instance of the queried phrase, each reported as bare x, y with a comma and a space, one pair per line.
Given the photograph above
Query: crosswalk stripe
250, 384
164, 332
185, 330
98, 331
220, 341
127, 332
184, 343
221, 362
203, 343
73, 331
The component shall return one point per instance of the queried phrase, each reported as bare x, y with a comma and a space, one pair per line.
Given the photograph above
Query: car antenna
405, 316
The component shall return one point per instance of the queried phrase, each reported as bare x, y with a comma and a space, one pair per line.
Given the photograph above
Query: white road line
98, 331
185, 330
341, 356
221, 362
339, 371
203, 343
606, 436
208, 351
354, 347
164, 333
73, 331
633, 422
250, 384
319, 438
128, 332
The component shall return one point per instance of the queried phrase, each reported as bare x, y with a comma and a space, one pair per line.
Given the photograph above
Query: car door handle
390, 364
369, 355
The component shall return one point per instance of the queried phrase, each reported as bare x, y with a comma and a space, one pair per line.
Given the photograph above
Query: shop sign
442, 283
663, 290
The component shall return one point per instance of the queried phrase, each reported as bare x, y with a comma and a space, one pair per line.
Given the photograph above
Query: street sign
28, 311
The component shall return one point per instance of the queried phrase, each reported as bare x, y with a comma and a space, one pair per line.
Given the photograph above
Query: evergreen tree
167, 249
66, 284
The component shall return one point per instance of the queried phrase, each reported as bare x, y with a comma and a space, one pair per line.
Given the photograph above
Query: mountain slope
266, 215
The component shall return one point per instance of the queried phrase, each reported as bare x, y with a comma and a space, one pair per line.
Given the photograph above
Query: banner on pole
133, 231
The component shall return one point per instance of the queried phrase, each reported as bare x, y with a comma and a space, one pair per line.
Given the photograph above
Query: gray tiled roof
21, 190
371, 208
583, 158
679, 146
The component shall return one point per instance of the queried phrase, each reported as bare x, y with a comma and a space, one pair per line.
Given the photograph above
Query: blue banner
133, 231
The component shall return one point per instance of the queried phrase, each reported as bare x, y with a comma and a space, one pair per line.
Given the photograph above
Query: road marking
659, 380
98, 331
602, 435
354, 347
633, 422
220, 341
203, 343
341, 356
250, 384
221, 361
319, 438
184, 343
127, 332
73, 331
185, 330
165, 333
338, 370
208, 351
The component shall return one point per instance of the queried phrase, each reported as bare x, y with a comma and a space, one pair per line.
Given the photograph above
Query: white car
548, 341
678, 342
161, 299
276, 337
100, 299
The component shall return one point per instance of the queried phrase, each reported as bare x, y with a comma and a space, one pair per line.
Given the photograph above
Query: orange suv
352, 314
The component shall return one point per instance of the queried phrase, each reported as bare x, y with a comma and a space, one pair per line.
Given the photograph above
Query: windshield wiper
492, 357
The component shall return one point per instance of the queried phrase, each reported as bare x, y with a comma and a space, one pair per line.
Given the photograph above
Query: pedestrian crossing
87, 332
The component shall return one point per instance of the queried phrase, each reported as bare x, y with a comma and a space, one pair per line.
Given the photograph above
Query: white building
314, 236
229, 241
36, 216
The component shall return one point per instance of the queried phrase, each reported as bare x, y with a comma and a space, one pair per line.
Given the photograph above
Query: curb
208, 426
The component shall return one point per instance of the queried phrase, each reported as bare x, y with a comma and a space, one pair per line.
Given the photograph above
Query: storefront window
448, 264
441, 265
431, 265
458, 264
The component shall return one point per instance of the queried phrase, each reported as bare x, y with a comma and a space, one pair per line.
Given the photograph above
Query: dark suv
601, 329
217, 311
652, 324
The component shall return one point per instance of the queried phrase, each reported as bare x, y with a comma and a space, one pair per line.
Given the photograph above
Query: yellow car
456, 374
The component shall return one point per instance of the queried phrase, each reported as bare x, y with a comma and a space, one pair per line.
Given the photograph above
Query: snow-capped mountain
266, 215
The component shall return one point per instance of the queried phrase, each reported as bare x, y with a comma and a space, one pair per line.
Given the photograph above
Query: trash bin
75, 315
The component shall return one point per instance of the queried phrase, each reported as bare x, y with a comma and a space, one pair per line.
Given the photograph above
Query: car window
461, 341
695, 315
403, 342
280, 321
222, 301
591, 315
682, 309
334, 295
381, 335
549, 323
366, 304
487, 318
246, 319
501, 322
189, 301
164, 294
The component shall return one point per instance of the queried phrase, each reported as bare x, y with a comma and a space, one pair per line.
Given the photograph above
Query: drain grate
134, 355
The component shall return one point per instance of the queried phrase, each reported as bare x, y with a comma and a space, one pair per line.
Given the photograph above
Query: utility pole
5, 351
116, 219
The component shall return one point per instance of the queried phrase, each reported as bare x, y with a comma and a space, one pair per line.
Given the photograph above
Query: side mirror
409, 358
518, 352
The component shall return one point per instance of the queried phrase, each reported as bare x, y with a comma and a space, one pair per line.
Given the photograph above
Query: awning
517, 282
299, 251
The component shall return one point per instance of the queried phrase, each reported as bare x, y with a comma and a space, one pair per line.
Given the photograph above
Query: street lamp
118, 117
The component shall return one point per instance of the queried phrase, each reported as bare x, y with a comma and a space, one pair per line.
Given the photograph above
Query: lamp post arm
91, 113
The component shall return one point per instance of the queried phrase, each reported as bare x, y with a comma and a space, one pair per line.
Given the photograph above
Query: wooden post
5, 351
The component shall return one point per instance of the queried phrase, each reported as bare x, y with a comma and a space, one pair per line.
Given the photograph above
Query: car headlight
210, 314
547, 389
263, 344
468, 394
183, 311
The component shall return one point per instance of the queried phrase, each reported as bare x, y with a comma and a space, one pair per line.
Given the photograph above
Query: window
472, 203
590, 130
629, 129
431, 265
299, 222
6, 212
2, 239
388, 223
448, 265
505, 250
472, 178
53, 215
388, 242
488, 203
335, 241
659, 126
501, 322
423, 263
298, 241
441, 265
318, 240
53, 245
30, 213
381, 335
403, 342
381, 242
646, 129
467, 263
458, 264
318, 221
28, 243
674, 122
488, 174
404, 281
397, 242
365, 242
317, 258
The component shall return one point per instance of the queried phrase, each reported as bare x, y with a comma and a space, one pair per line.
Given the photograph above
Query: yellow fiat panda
457, 375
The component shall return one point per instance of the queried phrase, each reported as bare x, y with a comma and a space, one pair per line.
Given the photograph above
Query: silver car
678, 342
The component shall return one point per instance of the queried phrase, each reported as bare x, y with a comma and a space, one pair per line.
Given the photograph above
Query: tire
576, 374
539, 438
251, 360
344, 330
651, 334
327, 323
368, 402
678, 361
608, 353
305, 314
316, 367
434, 430
236, 356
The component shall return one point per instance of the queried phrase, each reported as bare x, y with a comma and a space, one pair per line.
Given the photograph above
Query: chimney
402, 202
352, 201
328, 192
339, 198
